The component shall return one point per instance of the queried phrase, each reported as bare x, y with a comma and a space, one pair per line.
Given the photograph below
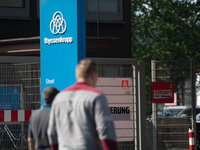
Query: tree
166, 30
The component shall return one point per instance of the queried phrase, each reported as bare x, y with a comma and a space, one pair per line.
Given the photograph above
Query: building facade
108, 36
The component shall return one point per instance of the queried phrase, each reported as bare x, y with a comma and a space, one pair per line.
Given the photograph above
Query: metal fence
129, 68
163, 131
25, 75
167, 124
118, 71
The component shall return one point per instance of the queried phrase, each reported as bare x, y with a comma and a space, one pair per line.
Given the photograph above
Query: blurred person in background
39, 120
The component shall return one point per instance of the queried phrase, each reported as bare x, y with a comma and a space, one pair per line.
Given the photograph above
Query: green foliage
166, 30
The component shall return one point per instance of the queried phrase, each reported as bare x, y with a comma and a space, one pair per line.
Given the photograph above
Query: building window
109, 10
14, 9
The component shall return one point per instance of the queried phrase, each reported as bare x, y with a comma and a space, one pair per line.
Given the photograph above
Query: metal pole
135, 103
22, 123
141, 105
154, 114
97, 18
193, 99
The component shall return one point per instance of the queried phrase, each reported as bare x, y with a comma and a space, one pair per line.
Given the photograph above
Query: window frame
105, 16
12, 12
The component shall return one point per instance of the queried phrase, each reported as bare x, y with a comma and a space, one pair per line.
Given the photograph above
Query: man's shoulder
82, 87
77, 92
39, 113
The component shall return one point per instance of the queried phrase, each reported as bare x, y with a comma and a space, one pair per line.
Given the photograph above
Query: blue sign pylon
62, 41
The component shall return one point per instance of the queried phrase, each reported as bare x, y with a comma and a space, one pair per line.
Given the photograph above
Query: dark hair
49, 94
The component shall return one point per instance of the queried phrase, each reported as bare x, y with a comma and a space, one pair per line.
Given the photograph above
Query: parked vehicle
172, 111
186, 113
171, 133
177, 112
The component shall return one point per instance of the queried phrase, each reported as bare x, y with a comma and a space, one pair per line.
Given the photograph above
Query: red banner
162, 92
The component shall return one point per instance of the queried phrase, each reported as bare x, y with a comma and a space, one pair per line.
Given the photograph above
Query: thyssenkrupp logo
58, 23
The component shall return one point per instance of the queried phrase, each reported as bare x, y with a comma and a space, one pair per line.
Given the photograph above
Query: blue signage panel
62, 41
10, 98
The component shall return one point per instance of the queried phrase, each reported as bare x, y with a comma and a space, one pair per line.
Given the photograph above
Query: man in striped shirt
80, 118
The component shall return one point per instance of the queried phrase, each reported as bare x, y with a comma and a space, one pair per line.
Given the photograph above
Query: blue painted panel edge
81, 29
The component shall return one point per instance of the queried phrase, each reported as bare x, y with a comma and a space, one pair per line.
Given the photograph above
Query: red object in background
174, 103
162, 92
191, 140
15, 115
125, 85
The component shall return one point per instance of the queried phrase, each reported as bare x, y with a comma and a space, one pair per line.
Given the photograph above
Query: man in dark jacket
38, 124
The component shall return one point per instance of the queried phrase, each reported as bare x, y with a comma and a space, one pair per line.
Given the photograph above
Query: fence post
141, 105
154, 112
22, 123
136, 116
193, 99
191, 139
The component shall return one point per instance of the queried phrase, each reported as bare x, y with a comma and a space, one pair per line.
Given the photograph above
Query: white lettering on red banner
162, 93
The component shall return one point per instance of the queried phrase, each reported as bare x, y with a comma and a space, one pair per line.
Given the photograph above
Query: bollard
191, 139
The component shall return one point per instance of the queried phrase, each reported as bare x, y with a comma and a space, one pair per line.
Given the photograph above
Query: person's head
86, 72
49, 94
